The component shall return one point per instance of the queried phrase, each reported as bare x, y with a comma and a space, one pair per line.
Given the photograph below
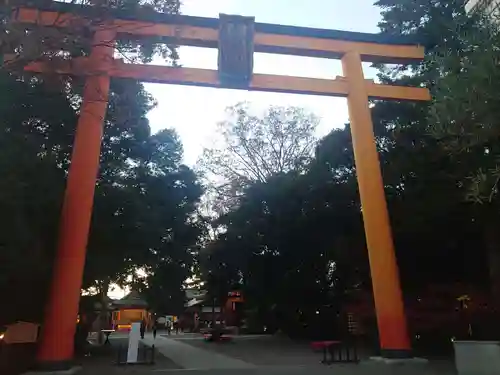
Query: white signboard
21, 332
133, 342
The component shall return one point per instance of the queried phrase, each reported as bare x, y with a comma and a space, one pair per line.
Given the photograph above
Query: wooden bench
340, 352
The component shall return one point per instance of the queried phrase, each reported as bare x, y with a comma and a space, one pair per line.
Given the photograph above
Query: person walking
143, 328
169, 327
155, 327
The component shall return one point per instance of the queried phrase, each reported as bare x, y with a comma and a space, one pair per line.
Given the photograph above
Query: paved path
189, 357
203, 361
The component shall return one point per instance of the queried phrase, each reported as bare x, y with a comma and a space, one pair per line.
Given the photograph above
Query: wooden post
57, 342
391, 320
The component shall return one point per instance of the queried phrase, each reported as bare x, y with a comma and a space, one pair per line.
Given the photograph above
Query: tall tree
425, 181
302, 230
30, 191
29, 43
463, 120
253, 148
288, 240
145, 197
144, 203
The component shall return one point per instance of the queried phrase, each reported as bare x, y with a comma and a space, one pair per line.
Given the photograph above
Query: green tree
288, 240
145, 198
302, 230
27, 44
438, 184
30, 192
463, 120
144, 204
295, 240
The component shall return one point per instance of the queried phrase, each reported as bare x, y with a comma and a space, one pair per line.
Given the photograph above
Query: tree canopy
296, 242
145, 197
252, 148
145, 201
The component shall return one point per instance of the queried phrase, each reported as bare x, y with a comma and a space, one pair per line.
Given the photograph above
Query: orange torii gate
237, 38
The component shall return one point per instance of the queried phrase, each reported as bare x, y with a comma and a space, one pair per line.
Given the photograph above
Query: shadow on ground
260, 350
281, 352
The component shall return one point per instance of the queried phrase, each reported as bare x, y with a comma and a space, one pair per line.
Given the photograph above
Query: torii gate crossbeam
235, 71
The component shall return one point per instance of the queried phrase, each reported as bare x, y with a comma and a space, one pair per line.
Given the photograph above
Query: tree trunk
103, 315
494, 271
213, 313
492, 243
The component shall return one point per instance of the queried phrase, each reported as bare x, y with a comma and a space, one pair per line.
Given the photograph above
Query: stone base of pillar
400, 361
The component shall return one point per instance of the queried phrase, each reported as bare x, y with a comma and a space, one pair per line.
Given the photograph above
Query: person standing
155, 326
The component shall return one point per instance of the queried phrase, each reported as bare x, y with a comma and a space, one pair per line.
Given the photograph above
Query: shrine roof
131, 299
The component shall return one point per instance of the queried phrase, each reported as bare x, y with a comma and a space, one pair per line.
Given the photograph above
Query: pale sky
194, 111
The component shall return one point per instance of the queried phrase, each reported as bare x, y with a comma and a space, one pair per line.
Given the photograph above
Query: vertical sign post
133, 342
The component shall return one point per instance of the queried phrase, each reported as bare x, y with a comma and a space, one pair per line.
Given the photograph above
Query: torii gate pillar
391, 320
57, 340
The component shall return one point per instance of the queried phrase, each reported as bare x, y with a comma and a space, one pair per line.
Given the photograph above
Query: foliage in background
295, 243
145, 197
32, 43
253, 148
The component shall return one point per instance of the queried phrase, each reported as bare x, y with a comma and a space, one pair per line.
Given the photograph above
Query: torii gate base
235, 71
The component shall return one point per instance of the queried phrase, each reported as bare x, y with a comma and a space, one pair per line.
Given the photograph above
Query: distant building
489, 6
199, 309
131, 308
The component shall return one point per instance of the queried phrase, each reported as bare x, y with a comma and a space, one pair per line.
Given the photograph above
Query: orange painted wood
387, 294
368, 51
57, 339
191, 35
182, 32
209, 78
379, 91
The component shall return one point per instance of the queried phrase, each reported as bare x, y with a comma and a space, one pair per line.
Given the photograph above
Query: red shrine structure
236, 38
